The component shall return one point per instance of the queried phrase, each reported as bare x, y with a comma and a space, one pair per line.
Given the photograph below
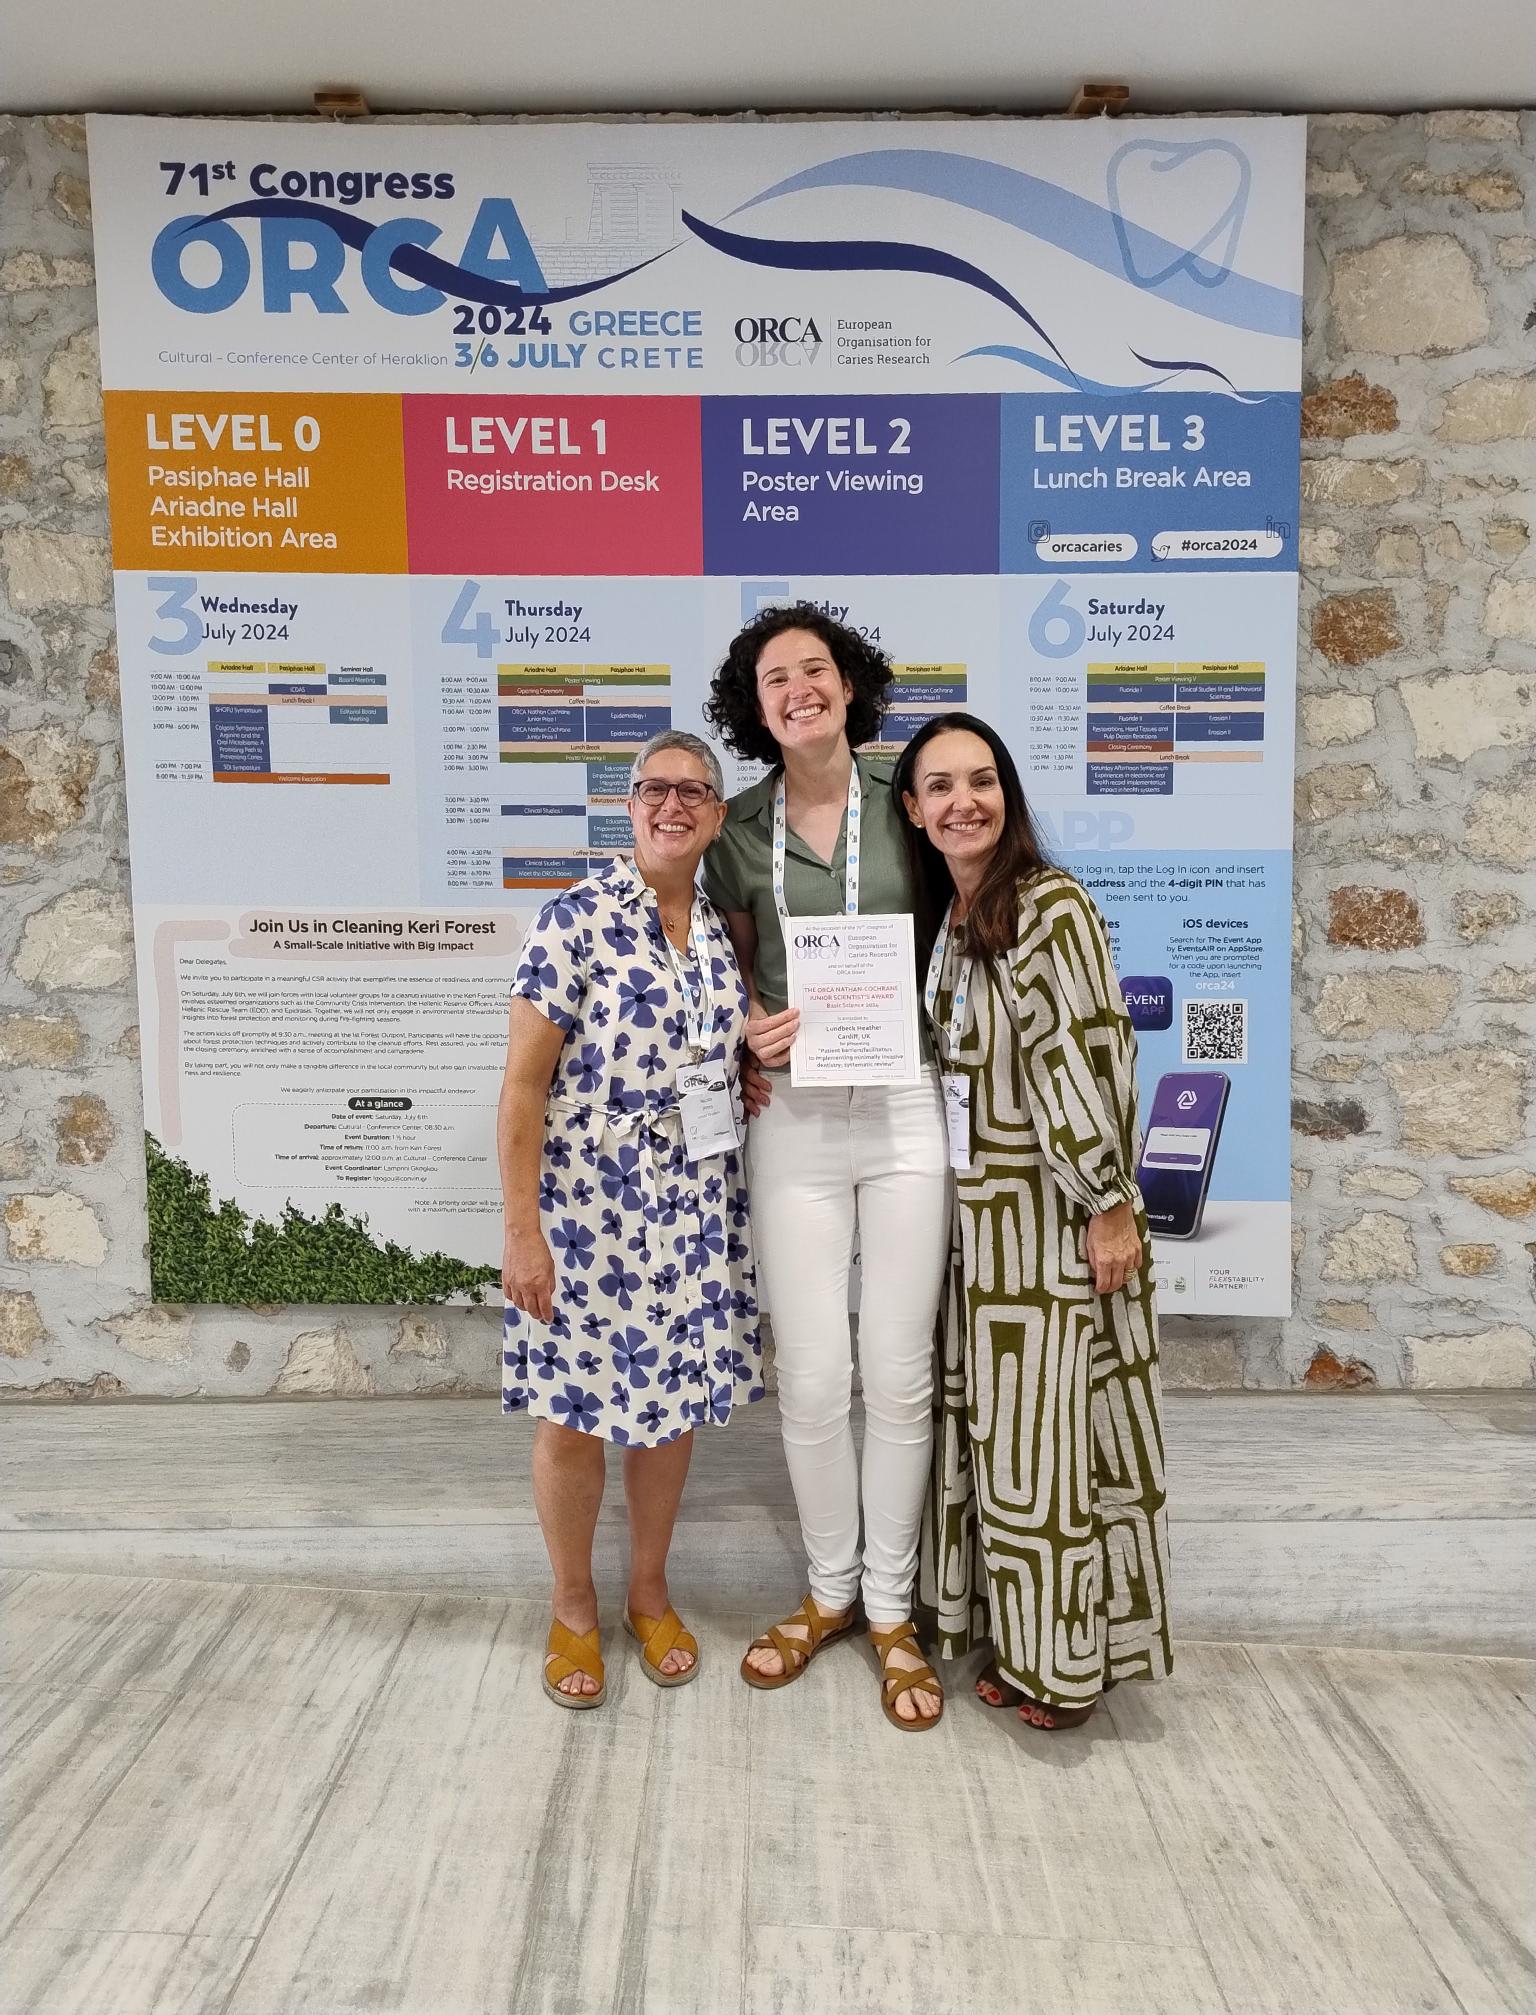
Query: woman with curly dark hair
821, 835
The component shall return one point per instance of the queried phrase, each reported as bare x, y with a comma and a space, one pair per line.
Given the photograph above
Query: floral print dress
655, 1326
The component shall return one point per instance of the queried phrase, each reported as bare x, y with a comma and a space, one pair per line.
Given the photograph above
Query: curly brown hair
732, 709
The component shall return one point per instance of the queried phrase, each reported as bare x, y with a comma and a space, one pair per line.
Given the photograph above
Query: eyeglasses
653, 792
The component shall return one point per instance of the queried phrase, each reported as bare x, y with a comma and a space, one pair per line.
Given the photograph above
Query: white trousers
823, 1163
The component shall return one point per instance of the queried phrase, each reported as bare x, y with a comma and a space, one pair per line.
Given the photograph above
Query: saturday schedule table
444, 463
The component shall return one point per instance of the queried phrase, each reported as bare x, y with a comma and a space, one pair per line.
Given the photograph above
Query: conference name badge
957, 1118
709, 1118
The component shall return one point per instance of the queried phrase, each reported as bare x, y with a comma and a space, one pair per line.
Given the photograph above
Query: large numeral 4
460, 629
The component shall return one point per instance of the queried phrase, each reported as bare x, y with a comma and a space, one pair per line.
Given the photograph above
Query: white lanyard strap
698, 1003
850, 849
955, 1033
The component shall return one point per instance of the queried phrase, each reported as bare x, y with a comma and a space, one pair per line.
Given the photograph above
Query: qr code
1215, 1031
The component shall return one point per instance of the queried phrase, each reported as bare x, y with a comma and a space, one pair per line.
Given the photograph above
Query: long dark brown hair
992, 924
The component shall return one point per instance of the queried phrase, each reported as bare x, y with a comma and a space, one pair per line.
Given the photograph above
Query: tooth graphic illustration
1213, 179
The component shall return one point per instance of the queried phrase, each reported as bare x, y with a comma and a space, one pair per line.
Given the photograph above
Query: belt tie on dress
653, 1128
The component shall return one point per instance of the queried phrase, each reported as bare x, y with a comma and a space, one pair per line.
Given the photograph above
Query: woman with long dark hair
1046, 1534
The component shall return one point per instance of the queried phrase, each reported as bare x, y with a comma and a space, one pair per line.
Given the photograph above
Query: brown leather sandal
656, 1636
565, 1653
921, 1679
796, 1653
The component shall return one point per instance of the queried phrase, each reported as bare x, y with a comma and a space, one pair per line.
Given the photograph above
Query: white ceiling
718, 55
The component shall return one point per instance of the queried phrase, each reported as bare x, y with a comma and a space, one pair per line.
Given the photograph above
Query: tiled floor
231, 1794
281, 1801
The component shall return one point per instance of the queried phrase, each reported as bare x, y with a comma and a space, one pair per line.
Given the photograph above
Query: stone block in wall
1510, 1193
1376, 1246
1401, 1183
1501, 827
1482, 188
1500, 1356
1412, 295
1338, 788
1510, 610
1456, 714
21, 1327
158, 1335
1374, 920
83, 939
1353, 629
1467, 1262
1346, 406
1348, 479
324, 1361
45, 775
41, 1041
1473, 125
83, 1130
1481, 913
1460, 1101
1497, 406
1331, 718
54, 570
55, 1226
1405, 1001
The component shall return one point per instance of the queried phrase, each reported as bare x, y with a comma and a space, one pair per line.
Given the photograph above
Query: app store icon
1148, 1000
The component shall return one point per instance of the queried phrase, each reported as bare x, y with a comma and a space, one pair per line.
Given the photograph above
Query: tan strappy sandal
565, 1653
921, 1679
796, 1653
656, 1636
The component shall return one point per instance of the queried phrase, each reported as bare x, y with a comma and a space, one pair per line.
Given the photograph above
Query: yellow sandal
656, 1636
564, 1653
795, 1653
921, 1679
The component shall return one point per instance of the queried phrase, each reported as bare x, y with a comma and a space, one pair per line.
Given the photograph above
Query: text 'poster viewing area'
444, 464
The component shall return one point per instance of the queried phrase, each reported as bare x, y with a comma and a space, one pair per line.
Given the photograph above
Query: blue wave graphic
1050, 369
1173, 366
1088, 231
415, 262
861, 255
856, 255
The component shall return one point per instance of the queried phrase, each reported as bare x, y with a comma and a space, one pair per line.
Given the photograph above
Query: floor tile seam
1368, 1734
977, 1836
322, 1806
759, 1927
1171, 1870
17, 1920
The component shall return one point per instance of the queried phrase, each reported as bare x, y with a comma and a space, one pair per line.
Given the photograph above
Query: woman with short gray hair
631, 1294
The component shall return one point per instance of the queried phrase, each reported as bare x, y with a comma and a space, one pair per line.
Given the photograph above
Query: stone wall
1416, 822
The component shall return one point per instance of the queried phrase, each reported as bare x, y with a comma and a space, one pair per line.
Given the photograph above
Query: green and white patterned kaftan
1046, 1529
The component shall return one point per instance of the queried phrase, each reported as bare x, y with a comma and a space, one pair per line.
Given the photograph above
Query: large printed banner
444, 463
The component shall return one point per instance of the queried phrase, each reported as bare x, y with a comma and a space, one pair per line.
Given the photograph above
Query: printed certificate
854, 980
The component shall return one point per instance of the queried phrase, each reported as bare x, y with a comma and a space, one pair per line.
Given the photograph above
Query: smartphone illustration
1179, 1152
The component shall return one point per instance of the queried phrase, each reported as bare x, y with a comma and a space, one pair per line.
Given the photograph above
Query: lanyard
698, 1005
954, 1034
850, 850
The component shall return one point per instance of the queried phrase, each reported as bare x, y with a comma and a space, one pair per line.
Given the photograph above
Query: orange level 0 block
256, 482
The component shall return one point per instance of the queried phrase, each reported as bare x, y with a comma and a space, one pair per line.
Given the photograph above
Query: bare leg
568, 1469
653, 1489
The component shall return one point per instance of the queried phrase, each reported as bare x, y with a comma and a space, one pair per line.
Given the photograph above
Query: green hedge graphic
199, 1251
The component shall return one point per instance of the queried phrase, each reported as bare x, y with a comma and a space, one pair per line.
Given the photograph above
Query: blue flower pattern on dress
662, 1299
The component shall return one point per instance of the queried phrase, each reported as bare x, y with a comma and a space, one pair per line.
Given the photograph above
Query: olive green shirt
738, 871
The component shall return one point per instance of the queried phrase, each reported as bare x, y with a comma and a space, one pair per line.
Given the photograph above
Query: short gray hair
693, 745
